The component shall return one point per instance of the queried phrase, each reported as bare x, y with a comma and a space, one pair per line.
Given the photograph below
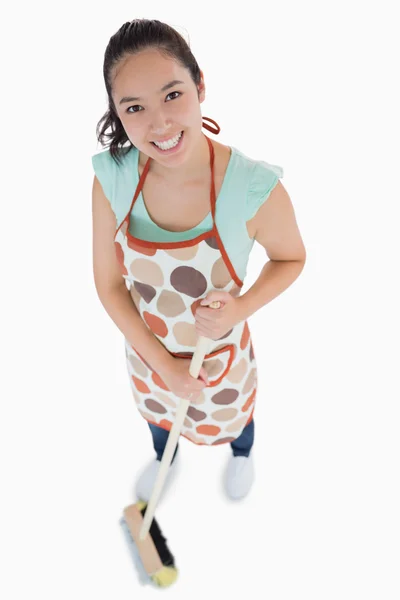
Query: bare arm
111, 287
277, 231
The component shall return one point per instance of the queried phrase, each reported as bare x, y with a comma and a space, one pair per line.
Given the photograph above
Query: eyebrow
163, 89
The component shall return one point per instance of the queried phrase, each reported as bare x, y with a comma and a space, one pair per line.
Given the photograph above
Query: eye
138, 105
174, 93
135, 106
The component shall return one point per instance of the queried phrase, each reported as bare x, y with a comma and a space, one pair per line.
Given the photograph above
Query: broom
149, 544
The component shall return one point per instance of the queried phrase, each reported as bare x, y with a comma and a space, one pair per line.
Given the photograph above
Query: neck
196, 166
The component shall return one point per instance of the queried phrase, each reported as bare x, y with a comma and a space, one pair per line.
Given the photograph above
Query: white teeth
169, 143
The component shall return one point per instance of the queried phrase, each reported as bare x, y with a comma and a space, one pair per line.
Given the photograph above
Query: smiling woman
175, 215
168, 86
167, 112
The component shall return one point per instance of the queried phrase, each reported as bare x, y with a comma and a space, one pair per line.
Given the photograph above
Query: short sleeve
263, 179
105, 171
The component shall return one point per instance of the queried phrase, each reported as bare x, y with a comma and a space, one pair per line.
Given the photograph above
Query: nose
159, 125
160, 131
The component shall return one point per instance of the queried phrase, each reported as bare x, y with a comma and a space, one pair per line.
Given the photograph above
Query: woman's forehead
146, 72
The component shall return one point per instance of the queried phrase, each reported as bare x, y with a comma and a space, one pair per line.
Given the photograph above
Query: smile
169, 144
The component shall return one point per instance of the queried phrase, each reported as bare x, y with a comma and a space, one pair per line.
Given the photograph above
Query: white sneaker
146, 481
239, 476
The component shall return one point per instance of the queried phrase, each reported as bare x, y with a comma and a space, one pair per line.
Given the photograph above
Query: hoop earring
218, 128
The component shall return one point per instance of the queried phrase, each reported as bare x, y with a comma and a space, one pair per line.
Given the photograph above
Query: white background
312, 87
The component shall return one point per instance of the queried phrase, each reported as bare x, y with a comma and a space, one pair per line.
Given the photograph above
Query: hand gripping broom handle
194, 370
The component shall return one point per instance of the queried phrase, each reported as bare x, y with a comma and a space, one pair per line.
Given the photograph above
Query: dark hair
130, 39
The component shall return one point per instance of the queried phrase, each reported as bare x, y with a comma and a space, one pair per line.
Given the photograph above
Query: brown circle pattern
195, 414
148, 416
236, 374
147, 271
138, 366
224, 440
212, 242
136, 297
236, 425
201, 398
155, 406
165, 399
226, 414
214, 367
185, 334
170, 304
220, 276
226, 396
189, 281
251, 352
146, 291
250, 381
185, 254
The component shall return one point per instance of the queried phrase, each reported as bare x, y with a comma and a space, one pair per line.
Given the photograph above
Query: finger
199, 387
208, 316
203, 331
199, 384
194, 384
204, 374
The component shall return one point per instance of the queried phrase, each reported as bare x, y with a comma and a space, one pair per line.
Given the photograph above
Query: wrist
242, 308
164, 364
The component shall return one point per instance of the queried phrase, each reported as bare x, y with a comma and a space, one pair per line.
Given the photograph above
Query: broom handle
173, 437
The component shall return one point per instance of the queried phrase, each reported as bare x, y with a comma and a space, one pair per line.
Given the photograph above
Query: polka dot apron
167, 281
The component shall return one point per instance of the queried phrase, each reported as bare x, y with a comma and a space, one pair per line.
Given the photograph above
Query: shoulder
113, 175
105, 160
259, 169
259, 175
260, 178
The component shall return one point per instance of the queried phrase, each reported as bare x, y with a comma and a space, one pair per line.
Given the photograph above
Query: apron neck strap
218, 128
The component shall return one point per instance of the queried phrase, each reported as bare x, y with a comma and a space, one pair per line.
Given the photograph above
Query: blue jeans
240, 447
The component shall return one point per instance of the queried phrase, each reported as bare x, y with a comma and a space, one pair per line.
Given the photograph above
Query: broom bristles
155, 558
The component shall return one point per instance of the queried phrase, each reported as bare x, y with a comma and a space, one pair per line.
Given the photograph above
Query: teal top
246, 186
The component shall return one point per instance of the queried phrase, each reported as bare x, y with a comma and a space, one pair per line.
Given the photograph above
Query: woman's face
149, 113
